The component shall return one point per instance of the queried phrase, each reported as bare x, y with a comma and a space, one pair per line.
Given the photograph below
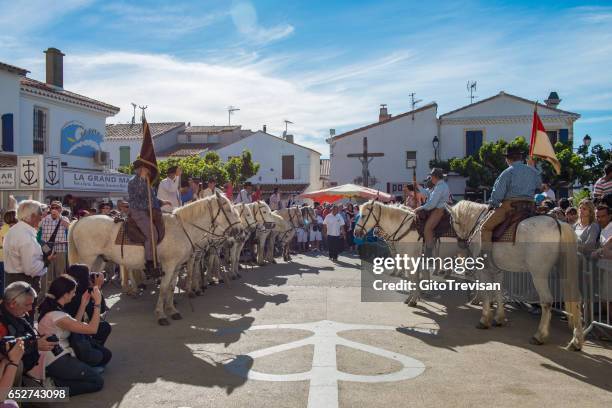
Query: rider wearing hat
436, 203
515, 185
139, 209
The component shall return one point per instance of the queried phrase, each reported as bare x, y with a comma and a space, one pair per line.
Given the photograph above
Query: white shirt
22, 252
606, 233
550, 194
334, 224
169, 191
48, 326
243, 197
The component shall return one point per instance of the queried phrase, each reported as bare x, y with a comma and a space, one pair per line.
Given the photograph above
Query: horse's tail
73, 254
569, 273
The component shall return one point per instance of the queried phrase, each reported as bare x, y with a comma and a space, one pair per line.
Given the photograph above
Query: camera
57, 349
93, 276
28, 341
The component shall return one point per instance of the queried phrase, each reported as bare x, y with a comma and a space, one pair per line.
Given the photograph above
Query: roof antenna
134, 115
471, 88
230, 110
414, 102
143, 111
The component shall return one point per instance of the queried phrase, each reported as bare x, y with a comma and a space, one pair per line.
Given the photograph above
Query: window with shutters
40, 131
124, 156
288, 164
552, 135
7, 132
564, 135
473, 141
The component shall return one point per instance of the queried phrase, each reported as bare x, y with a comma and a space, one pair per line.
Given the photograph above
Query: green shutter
124, 156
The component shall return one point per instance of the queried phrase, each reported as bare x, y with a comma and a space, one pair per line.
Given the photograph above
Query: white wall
268, 150
9, 102
58, 114
393, 138
503, 117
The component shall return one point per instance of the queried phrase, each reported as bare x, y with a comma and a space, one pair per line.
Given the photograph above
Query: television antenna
471, 88
134, 115
143, 111
287, 122
413, 102
230, 110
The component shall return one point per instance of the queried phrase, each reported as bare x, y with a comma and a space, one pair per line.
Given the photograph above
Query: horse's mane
465, 214
195, 209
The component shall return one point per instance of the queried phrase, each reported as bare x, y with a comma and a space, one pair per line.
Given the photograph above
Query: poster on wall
52, 172
29, 169
78, 140
95, 181
8, 178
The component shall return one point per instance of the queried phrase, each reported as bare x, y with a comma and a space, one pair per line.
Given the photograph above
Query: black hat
513, 151
437, 172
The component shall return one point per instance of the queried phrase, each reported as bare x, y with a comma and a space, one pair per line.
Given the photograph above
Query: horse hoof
482, 326
499, 324
163, 322
198, 293
273, 261
142, 286
535, 341
176, 316
234, 277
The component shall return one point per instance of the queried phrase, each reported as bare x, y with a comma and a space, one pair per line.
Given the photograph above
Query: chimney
553, 100
289, 138
265, 129
332, 132
55, 67
383, 115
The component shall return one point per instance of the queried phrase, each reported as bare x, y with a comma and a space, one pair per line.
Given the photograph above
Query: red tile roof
13, 69
210, 129
8, 160
40, 88
127, 131
185, 149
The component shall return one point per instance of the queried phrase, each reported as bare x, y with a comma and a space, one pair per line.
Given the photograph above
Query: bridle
397, 235
249, 224
220, 210
464, 242
259, 211
291, 218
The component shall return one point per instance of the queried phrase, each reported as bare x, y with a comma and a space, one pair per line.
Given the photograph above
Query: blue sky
320, 64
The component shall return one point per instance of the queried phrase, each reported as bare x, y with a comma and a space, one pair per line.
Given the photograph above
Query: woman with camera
61, 364
89, 349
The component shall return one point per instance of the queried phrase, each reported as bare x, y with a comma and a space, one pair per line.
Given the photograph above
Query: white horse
91, 240
265, 225
249, 225
525, 256
284, 231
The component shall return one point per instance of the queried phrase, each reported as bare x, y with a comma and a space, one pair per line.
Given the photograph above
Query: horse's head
263, 214
367, 219
297, 216
226, 217
464, 216
246, 216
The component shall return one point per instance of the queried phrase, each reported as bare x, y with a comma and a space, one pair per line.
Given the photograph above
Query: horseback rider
139, 211
515, 187
210, 189
436, 204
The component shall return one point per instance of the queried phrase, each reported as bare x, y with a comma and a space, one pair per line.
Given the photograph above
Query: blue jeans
80, 378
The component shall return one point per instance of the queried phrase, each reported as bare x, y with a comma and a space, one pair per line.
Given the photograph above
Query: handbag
47, 247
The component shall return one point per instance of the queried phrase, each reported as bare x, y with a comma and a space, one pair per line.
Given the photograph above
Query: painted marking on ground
324, 374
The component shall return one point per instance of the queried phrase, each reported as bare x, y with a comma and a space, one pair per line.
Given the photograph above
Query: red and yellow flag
540, 145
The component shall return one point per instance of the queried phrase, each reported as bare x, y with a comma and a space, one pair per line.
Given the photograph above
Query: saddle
130, 234
506, 231
444, 229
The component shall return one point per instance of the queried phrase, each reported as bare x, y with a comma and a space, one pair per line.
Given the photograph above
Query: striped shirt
47, 226
602, 187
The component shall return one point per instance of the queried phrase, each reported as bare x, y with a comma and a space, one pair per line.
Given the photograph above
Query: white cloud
245, 19
24, 16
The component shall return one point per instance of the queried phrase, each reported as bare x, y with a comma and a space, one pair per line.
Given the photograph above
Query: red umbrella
347, 191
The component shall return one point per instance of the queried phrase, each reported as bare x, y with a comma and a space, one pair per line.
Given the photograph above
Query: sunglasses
26, 290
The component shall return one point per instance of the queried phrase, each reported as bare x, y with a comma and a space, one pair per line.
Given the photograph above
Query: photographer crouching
17, 303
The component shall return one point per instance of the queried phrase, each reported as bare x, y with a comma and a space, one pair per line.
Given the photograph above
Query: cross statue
365, 158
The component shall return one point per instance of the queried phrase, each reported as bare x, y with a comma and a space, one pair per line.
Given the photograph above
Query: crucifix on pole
365, 158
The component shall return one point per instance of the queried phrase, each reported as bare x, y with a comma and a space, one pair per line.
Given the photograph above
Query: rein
395, 236
464, 242
220, 210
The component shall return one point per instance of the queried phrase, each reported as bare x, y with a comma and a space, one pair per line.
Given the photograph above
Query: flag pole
151, 226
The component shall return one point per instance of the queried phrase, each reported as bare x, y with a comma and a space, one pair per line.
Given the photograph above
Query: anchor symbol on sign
29, 173
324, 374
51, 173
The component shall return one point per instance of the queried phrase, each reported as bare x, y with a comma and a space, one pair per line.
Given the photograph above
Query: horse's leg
500, 310
124, 273
190, 278
169, 302
541, 284
164, 287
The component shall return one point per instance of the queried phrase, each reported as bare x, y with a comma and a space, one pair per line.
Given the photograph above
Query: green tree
212, 158
249, 168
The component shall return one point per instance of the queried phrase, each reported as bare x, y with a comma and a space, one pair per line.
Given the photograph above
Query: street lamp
436, 143
586, 140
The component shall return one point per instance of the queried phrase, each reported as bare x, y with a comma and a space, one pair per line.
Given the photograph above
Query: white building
458, 133
399, 137
52, 138
284, 164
